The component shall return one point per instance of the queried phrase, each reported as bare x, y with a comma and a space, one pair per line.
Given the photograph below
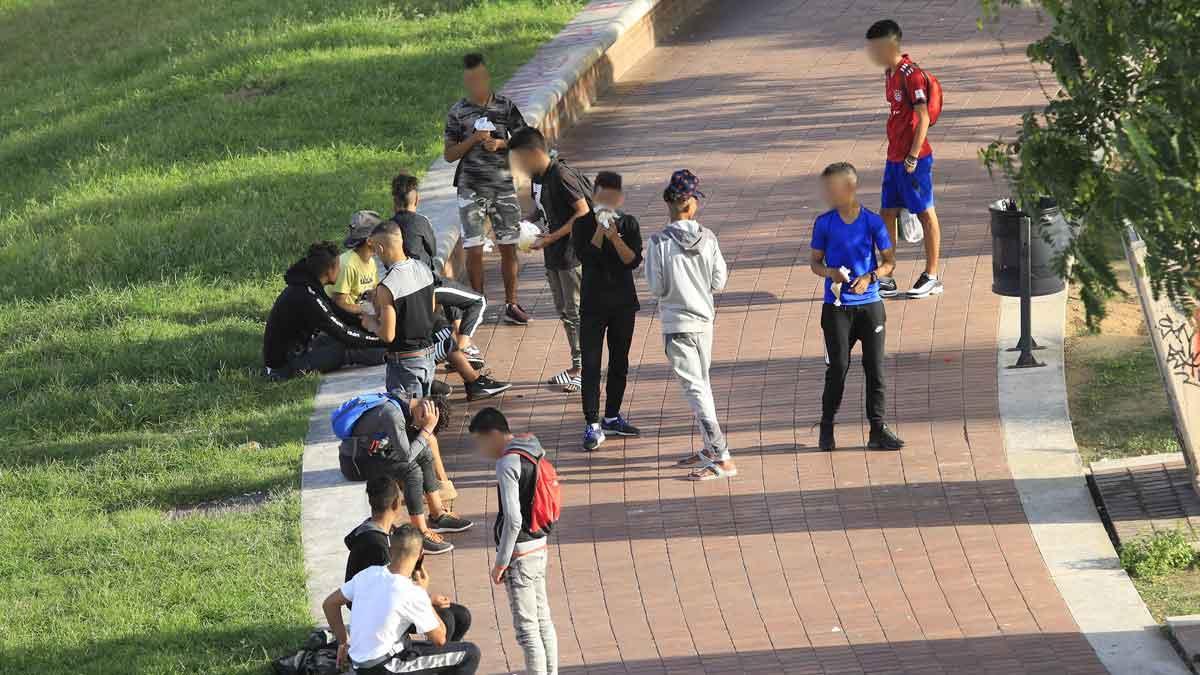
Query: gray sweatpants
564, 288
526, 583
690, 356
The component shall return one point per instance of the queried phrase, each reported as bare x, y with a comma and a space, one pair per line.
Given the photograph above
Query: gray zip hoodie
511, 530
684, 267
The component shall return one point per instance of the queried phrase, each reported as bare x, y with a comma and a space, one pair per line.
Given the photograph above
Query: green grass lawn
162, 162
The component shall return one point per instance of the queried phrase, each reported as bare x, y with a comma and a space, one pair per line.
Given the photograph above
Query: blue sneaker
592, 437
619, 427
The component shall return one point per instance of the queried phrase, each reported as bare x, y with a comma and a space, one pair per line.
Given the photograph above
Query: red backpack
547, 496
935, 96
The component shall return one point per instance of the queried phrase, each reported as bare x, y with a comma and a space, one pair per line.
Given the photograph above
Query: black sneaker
925, 286
448, 522
474, 357
485, 387
619, 426
434, 544
826, 441
883, 438
515, 314
440, 389
887, 287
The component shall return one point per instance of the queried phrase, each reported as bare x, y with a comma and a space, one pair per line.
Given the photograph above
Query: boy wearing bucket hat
684, 267
359, 273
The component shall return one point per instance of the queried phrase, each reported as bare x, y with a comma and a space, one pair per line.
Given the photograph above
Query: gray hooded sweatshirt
684, 267
515, 483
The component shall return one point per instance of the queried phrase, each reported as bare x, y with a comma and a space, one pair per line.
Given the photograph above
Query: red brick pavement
808, 562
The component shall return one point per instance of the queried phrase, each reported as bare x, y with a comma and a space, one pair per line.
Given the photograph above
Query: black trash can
1048, 236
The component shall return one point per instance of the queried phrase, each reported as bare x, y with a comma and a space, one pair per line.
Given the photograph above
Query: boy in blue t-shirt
844, 242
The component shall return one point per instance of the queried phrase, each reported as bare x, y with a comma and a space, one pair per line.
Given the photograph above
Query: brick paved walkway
808, 562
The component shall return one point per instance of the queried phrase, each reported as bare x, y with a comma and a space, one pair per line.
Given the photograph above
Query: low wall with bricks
560, 82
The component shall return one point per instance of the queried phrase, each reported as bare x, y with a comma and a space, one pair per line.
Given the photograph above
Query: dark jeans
844, 326
454, 658
617, 326
457, 619
416, 479
325, 354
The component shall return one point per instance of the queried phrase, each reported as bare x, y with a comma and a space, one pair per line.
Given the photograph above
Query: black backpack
318, 657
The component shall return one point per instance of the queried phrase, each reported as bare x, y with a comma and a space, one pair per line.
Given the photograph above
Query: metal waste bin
1049, 233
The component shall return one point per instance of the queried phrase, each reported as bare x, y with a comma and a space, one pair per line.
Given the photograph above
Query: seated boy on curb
521, 555
358, 274
610, 248
387, 600
370, 544
684, 267
845, 238
378, 445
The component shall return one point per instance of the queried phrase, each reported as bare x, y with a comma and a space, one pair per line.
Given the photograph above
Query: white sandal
569, 383
712, 471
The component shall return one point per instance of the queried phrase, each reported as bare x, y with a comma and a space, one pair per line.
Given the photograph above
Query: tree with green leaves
1118, 145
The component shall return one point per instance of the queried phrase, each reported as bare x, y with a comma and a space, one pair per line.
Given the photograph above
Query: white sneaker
926, 286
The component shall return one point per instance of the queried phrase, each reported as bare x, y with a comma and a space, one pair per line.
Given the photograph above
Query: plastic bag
910, 227
484, 124
528, 234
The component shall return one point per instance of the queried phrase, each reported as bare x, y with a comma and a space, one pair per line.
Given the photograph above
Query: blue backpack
347, 414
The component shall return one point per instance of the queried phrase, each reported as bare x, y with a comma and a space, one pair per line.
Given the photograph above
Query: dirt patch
251, 501
251, 92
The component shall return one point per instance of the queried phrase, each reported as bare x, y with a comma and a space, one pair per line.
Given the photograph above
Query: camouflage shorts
476, 207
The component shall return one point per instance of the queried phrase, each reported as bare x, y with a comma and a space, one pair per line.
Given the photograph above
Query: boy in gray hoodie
521, 555
684, 267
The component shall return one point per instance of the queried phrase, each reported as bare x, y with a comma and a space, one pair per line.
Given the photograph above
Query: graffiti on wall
1181, 346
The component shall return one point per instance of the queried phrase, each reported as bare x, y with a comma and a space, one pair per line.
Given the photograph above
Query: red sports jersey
903, 87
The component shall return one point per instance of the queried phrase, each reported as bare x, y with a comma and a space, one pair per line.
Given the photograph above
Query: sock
594, 425
609, 419
932, 277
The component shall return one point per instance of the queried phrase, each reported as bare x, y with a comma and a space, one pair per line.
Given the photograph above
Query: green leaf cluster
1118, 145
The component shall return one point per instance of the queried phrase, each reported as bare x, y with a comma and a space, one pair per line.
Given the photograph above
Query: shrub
1156, 554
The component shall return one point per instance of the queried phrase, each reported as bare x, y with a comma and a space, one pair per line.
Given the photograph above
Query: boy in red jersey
908, 175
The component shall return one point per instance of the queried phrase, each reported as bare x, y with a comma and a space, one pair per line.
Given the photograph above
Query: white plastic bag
527, 235
484, 124
837, 287
910, 227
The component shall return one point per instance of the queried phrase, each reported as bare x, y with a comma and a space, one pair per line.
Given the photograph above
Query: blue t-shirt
851, 245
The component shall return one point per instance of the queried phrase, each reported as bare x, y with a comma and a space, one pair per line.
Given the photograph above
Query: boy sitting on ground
369, 544
358, 274
305, 331
378, 445
386, 601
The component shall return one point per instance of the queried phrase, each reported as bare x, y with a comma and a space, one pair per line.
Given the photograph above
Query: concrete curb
1045, 464
552, 90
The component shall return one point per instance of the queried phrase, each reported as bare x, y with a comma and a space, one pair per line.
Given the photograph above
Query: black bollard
1026, 344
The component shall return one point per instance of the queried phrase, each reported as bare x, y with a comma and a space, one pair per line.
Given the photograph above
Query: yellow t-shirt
356, 276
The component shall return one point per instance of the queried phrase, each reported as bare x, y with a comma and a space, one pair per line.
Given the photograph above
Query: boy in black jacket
370, 544
610, 248
306, 331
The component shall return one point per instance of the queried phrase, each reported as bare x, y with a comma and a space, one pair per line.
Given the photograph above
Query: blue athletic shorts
912, 191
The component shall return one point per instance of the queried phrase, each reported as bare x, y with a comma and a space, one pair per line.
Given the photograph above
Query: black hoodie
369, 545
300, 311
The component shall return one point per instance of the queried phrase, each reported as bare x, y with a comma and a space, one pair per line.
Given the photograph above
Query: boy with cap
358, 274
684, 267
564, 197
610, 247
844, 241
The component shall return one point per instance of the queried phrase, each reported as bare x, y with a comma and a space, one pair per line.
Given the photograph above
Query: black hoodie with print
302, 310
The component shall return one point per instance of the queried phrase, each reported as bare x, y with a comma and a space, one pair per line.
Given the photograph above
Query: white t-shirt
385, 605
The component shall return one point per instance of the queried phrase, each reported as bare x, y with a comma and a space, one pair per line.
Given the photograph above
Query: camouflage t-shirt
480, 169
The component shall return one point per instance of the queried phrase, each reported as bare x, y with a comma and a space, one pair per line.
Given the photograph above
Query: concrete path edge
1045, 464
552, 90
